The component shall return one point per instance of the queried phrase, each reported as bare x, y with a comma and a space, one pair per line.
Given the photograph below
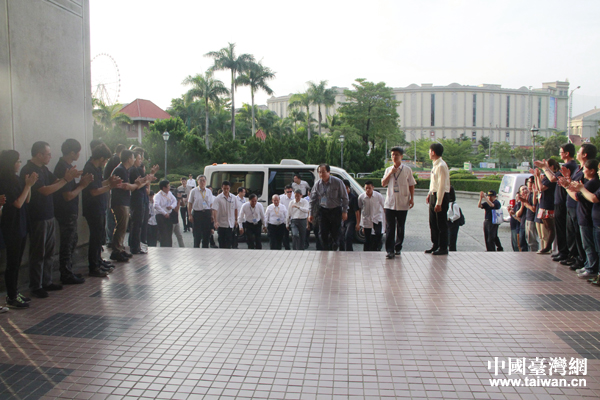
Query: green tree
256, 77
154, 144
456, 152
299, 100
320, 96
297, 116
109, 116
503, 152
553, 143
207, 88
371, 110
226, 59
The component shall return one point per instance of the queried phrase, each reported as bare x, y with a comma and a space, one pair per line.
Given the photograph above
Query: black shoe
431, 250
52, 287
500, 249
559, 258
98, 273
106, 263
17, 302
72, 280
398, 252
25, 299
575, 267
390, 255
569, 261
214, 246
126, 254
118, 257
78, 275
39, 293
140, 251
440, 252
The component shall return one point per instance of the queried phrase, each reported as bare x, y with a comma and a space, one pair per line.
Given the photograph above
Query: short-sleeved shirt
14, 220
120, 197
93, 205
62, 207
488, 209
40, 208
515, 224
225, 208
577, 175
398, 188
560, 193
530, 216
137, 196
547, 200
584, 206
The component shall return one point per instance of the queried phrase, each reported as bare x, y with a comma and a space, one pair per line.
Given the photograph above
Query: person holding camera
490, 229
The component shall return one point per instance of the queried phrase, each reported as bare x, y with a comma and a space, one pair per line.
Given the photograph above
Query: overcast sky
156, 44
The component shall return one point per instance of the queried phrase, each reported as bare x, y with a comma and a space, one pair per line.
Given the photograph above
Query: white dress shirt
285, 200
253, 215
191, 183
201, 199
440, 180
163, 200
298, 210
371, 209
276, 215
240, 203
398, 192
225, 208
303, 185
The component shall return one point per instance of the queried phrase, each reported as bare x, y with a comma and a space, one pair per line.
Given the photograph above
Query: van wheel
359, 237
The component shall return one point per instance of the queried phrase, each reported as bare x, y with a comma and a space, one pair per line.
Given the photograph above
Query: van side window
279, 178
252, 181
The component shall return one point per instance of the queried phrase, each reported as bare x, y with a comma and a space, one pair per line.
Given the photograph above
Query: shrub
466, 185
494, 177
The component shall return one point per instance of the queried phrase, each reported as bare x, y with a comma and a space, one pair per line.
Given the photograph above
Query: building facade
587, 124
142, 113
487, 110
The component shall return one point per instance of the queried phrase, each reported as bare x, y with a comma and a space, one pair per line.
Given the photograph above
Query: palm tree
109, 116
283, 126
256, 76
319, 96
207, 88
297, 116
227, 59
299, 100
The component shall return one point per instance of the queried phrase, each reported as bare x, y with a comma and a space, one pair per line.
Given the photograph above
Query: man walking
300, 184
184, 192
275, 217
438, 200
200, 213
352, 224
371, 206
298, 220
285, 200
241, 200
329, 195
252, 218
225, 215
400, 198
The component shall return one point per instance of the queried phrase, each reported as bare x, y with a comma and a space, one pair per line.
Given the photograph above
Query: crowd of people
557, 210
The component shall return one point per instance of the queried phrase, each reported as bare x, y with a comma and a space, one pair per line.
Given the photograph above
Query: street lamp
342, 151
570, 113
534, 132
166, 138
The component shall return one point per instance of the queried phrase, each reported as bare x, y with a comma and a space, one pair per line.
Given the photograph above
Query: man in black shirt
490, 229
349, 225
41, 212
95, 200
66, 210
112, 163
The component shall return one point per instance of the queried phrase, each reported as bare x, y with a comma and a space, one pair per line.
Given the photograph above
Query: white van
508, 191
265, 180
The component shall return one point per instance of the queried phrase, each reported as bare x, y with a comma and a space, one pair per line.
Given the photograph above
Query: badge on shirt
204, 205
396, 189
324, 201
255, 220
278, 219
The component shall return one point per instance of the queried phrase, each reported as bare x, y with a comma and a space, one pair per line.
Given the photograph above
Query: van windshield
280, 177
253, 181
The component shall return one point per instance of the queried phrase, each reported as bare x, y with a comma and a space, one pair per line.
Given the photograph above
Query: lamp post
166, 138
342, 151
570, 113
534, 131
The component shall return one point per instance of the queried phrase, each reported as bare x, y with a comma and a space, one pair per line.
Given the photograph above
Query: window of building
475, 110
432, 109
507, 136
507, 111
473, 137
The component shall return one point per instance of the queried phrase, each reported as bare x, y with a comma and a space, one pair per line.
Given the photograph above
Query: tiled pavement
197, 323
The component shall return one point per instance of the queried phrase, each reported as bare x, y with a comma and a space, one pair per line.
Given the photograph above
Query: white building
474, 111
586, 125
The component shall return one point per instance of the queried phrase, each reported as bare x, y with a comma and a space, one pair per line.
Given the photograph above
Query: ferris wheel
106, 79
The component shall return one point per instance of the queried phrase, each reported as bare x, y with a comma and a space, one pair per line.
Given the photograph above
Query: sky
157, 44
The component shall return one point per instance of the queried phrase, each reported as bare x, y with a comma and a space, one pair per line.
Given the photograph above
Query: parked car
508, 191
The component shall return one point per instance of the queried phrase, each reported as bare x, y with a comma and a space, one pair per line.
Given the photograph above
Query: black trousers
276, 233
225, 237
329, 227
574, 242
68, 243
394, 229
165, 231
183, 211
453, 228
144, 236
15, 246
286, 240
438, 222
490, 234
252, 232
373, 237
202, 227
135, 231
560, 227
347, 237
96, 224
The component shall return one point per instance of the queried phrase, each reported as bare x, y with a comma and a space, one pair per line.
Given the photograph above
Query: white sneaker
3, 310
144, 247
580, 270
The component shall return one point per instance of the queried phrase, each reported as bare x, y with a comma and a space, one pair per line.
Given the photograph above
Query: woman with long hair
14, 222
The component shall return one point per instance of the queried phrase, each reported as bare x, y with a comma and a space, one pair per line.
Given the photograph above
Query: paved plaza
225, 324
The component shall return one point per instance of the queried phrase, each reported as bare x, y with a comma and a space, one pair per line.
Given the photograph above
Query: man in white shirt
298, 220
225, 214
241, 200
371, 205
285, 200
438, 200
400, 198
191, 182
300, 184
252, 219
200, 213
275, 217
164, 204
